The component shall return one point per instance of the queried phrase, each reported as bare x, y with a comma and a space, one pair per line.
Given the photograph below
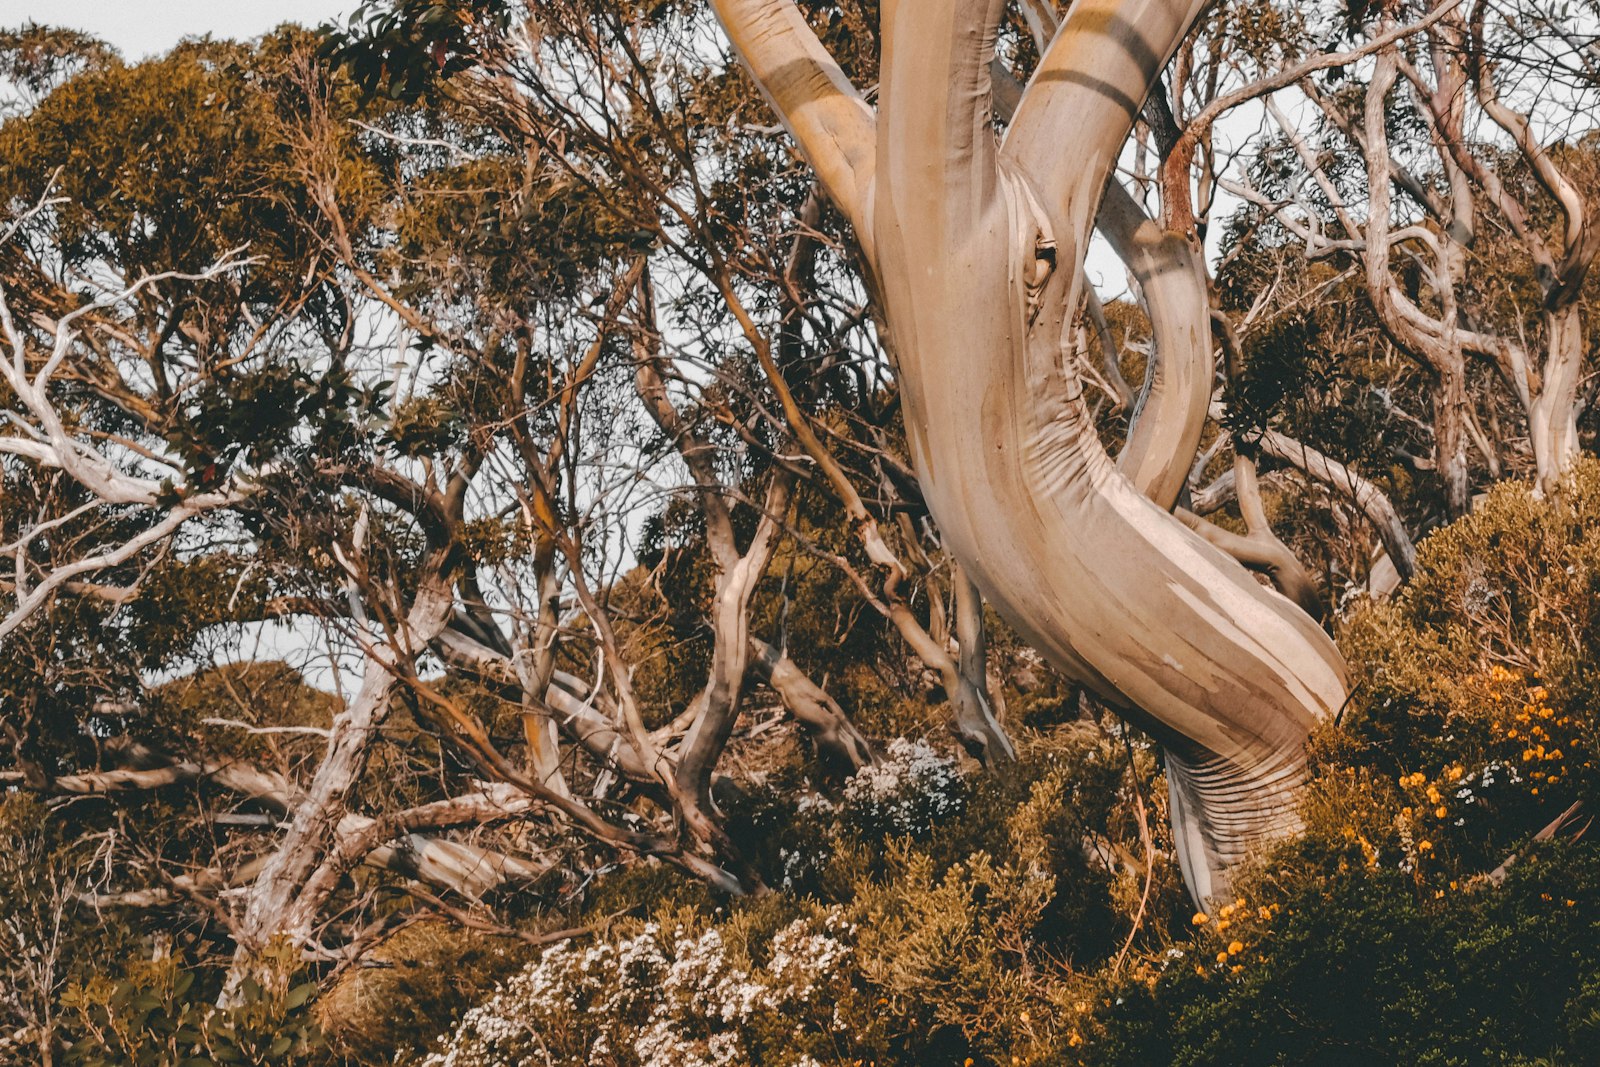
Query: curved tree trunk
1170, 415
976, 256
1097, 577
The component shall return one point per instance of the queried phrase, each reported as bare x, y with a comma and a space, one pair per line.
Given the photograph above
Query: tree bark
1101, 580
976, 265
842, 747
1166, 423
1552, 416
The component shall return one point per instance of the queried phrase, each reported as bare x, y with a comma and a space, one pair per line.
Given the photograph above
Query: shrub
663, 996
157, 1015
1393, 930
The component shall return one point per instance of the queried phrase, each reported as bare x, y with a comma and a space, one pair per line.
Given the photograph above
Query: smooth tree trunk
975, 252
1552, 414
287, 897
1169, 417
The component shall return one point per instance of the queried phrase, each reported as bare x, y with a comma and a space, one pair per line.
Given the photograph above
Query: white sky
138, 28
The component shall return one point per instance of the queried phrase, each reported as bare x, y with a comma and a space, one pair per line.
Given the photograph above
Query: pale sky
138, 28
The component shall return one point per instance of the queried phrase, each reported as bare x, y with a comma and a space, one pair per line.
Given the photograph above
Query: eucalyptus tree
630, 102
975, 245
1455, 170
284, 353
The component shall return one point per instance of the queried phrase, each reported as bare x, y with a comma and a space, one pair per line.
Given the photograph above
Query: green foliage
47, 938
987, 934
36, 58
406, 49
1353, 968
932, 935
157, 1015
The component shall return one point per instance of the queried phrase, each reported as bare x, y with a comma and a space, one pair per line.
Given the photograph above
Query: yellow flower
1235, 948
1424, 846
1200, 918
1222, 957
1440, 811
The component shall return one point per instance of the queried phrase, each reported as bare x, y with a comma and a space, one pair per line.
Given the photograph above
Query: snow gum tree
973, 243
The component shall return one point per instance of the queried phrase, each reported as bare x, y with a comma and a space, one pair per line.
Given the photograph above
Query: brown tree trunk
1450, 439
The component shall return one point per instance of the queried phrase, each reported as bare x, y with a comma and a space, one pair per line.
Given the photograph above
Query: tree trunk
1372, 502
287, 895
1450, 438
842, 748
1552, 418
1110, 588
1166, 423
976, 264
976, 724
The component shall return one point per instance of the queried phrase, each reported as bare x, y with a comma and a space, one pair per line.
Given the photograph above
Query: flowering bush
665, 996
1430, 914
908, 792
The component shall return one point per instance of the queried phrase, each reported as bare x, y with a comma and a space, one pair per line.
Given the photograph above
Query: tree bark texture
975, 248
